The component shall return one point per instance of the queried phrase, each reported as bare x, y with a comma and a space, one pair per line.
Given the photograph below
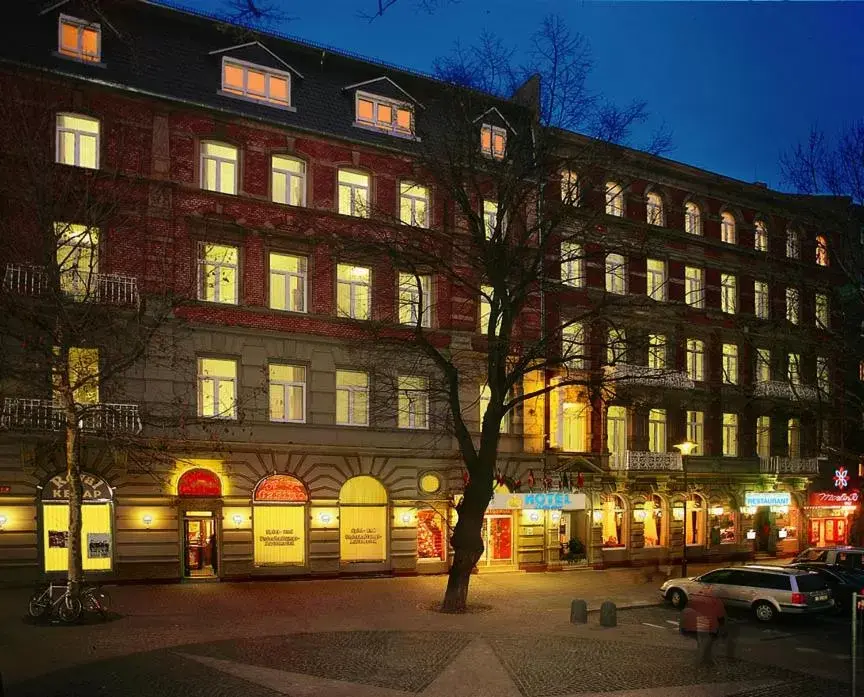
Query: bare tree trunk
467, 544
73, 475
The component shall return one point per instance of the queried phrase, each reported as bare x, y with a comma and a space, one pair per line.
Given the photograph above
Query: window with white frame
573, 423
77, 259
823, 376
250, 81
218, 273
657, 431
483, 402
616, 274
353, 193
485, 314
217, 388
654, 213
288, 180
616, 429
793, 437
760, 236
655, 279
614, 199
763, 436
823, 315
616, 346
413, 402
730, 364
696, 429
353, 291
573, 346
352, 398
570, 192
728, 232
219, 167
793, 305
79, 39
763, 365
493, 141
288, 282
821, 250
657, 351
415, 294
793, 371
728, 293
413, 204
730, 435
761, 300
793, 243
287, 393
573, 264
696, 359
490, 217
77, 141
692, 218
373, 111
694, 286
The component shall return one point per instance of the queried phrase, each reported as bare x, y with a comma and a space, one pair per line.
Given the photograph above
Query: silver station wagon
768, 591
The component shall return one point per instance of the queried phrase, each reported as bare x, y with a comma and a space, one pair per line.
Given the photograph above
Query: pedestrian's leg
704, 640
731, 639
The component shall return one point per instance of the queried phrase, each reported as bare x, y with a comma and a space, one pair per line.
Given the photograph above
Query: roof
774, 569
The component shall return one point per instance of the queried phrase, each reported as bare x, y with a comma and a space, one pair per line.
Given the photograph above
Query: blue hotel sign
767, 498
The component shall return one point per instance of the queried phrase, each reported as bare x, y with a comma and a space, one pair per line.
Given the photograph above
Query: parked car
768, 591
842, 581
849, 557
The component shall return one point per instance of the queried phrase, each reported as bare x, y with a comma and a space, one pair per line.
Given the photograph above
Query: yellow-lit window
288, 276
573, 346
363, 525
614, 199
288, 180
616, 346
823, 315
353, 291
763, 436
616, 429
353, 193
415, 299
730, 435
219, 167
760, 236
793, 368
728, 232
692, 218
217, 273
657, 430
616, 274
728, 293
821, 250
483, 402
655, 276
657, 351
696, 360
763, 365
654, 212
352, 398
573, 264
696, 429
77, 259
695, 524
573, 415
83, 375
97, 539
485, 314
79, 39
694, 286
613, 522
78, 141
287, 393
490, 218
413, 402
730, 364
379, 112
256, 82
413, 204
493, 141
217, 388
761, 300
280, 534
793, 243
793, 305
570, 193
793, 437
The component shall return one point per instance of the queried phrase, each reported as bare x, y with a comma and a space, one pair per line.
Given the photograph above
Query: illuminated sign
832, 499
280, 487
767, 498
199, 482
553, 501
93, 488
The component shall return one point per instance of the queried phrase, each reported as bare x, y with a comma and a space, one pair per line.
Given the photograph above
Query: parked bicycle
68, 608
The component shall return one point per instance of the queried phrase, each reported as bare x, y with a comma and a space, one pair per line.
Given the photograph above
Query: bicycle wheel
94, 599
69, 609
38, 604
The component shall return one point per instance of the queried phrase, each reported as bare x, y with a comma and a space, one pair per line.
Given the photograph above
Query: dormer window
384, 114
79, 39
255, 82
493, 141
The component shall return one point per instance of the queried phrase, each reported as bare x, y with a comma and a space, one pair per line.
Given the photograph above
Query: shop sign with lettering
832, 499
551, 501
93, 488
767, 498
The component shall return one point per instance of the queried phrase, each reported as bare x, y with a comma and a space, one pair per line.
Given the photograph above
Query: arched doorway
200, 493
656, 525
363, 521
279, 518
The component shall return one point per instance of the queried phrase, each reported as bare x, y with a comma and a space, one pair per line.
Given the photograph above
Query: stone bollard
608, 616
578, 612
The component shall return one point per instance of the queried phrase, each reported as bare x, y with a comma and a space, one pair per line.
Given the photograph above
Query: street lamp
685, 449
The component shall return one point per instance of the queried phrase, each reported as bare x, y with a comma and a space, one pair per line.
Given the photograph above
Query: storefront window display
694, 522
279, 521
363, 517
787, 521
431, 536
654, 531
721, 523
613, 522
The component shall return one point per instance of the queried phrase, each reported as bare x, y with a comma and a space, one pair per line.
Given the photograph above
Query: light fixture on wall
238, 519
678, 513
406, 518
717, 510
598, 517
534, 516
751, 534
3, 521
639, 515
324, 518
147, 519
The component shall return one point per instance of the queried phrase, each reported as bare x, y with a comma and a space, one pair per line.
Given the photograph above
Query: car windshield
811, 582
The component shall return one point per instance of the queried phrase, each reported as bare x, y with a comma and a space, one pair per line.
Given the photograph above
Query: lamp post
685, 449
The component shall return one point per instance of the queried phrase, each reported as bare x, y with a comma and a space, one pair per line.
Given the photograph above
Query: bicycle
95, 599
65, 606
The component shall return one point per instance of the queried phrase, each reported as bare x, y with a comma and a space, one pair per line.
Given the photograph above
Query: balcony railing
109, 288
46, 415
653, 377
789, 465
785, 390
643, 461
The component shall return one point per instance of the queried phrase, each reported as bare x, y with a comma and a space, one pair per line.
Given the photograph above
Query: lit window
657, 351
694, 286
616, 346
413, 204
823, 315
288, 180
353, 193
570, 192
490, 217
760, 236
616, 274
352, 398
793, 305
77, 259
692, 218
217, 388
219, 167
486, 294
217, 273
761, 299
256, 82
572, 264
79, 39
696, 360
657, 431
485, 397
727, 228
288, 279
287, 393
613, 520
616, 429
729, 293
696, 429
571, 425
823, 376
77, 141
573, 346
654, 212
353, 291
730, 435
763, 436
793, 437
655, 270
730, 364
821, 250
82, 373
414, 299
763, 365
493, 141
614, 199
793, 243
397, 118
793, 373
413, 402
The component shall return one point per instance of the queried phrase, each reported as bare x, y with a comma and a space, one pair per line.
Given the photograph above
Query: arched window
728, 233
655, 525
199, 482
692, 218
363, 520
279, 521
694, 522
613, 522
614, 199
654, 213
721, 523
760, 236
821, 250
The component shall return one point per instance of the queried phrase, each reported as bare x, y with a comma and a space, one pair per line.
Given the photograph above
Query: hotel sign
553, 501
767, 498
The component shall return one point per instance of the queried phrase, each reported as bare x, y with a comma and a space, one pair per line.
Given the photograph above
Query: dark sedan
842, 581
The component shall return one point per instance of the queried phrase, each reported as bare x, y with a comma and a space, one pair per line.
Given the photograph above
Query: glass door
200, 549
497, 540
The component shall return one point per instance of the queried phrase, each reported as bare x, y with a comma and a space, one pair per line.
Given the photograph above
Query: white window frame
409, 298
395, 105
793, 305
285, 386
219, 161
302, 276
763, 365
761, 299
657, 438
413, 194
694, 286
357, 209
289, 177
353, 285
573, 346
614, 198
80, 25
616, 274
696, 429
217, 381
412, 397
351, 391
218, 268
493, 131
616, 428
250, 95
658, 351
728, 228
728, 293
730, 434
822, 311
77, 135
730, 364
695, 354
760, 236
655, 212
573, 264
655, 280
692, 218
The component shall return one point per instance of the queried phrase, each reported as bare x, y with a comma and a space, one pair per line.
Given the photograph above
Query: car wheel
764, 611
677, 597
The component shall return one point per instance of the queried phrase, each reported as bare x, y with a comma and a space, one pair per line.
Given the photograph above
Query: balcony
108, 288
653, 377
46, 415
778, 389
789, 465
642, 461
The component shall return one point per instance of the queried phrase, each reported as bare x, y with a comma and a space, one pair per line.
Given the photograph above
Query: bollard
578, 612
608, 616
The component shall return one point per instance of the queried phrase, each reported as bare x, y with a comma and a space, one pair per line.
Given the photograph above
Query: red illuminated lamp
281, 487
199, 482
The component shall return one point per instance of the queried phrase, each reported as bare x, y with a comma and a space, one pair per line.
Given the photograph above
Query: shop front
771, 521
279, 523
830, 514
199, 492
363, 525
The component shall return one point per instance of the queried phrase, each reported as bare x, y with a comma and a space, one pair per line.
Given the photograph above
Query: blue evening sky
736, 82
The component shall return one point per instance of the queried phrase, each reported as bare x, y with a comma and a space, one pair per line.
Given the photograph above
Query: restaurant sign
834, 499
554, 501
767, 498
93, 488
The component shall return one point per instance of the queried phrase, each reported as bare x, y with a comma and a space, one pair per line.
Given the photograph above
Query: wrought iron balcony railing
108, 288
785, 390
789, 465
24, 414
643, 461
629, 373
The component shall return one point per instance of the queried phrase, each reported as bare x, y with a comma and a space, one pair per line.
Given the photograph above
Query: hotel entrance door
200, 549
497, 540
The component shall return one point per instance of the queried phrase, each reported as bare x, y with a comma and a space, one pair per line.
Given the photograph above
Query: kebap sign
767, 498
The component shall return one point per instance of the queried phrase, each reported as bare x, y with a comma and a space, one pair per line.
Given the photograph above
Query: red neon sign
833, 498
281, 487
199, 482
